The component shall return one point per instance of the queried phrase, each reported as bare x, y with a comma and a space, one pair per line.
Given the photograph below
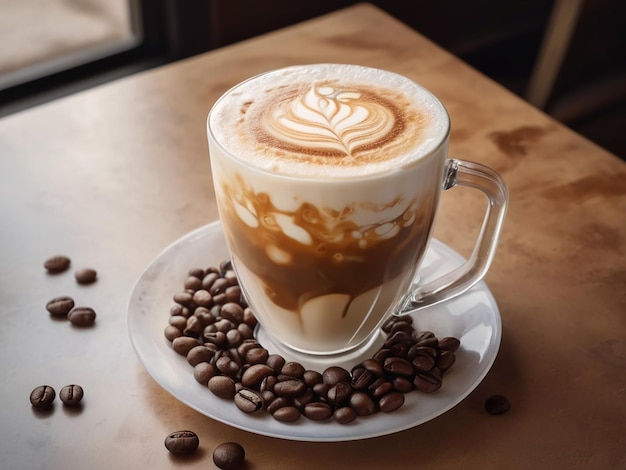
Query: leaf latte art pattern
330, 122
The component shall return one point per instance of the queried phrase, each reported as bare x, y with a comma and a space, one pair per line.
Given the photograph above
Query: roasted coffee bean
417, 350
276, 362
246, 345
374, 366
321, 389
399, 337
219, 286
179, 322
246, 331
293, 369
172, 332
248, 400
382, 354
402, 325
426, 339
334, 374
277, 403
179, 310
268, 383
229, 456
318, 411
199, 354
233, 312
233, 338
302, 400
60, 306
233, 294
182, 442
42, 397
82, 316
249, 318
344, 415
71, 395
362, 404
183, 344
202, 298
86, 276
193, 327
196, 272
224, 325
446, 360
193, 283
57, 264
203, 372
289, 388
402, 384
428, 382
381, 387
391, 402
209, 279
449, 344
222, 386
423, 362
254, 375
257, 356
218, 338
361, 378
397, 366
227, 366
287, 414
339, 394
497, 405
312, 377
185, 299
204, 315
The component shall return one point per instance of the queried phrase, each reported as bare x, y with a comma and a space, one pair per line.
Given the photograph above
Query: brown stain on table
514, 143
603, 186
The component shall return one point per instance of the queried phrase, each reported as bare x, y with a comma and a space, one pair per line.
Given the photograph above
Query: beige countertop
113, 175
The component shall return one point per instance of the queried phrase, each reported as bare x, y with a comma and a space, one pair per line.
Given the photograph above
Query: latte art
329, 121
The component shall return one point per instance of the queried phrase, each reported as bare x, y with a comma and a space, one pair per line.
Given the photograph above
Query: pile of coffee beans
213, 327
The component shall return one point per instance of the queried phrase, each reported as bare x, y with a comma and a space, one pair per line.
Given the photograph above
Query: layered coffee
327, 180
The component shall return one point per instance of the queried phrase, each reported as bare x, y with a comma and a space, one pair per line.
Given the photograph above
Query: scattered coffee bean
57, 264
183, 344
229, 455
86, 276
497, 405
82, 316
71, 395
42, 397
182, 442
60, 306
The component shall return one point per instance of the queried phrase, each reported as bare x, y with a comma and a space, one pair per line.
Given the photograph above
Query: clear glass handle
473, 175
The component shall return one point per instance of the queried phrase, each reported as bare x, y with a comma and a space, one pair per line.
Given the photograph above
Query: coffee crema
325, 120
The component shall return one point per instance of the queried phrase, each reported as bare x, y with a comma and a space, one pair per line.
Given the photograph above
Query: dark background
499, 38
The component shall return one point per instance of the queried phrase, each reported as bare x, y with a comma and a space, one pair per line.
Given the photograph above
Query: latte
327, 178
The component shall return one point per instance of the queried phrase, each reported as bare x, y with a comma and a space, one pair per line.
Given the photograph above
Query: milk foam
328, 120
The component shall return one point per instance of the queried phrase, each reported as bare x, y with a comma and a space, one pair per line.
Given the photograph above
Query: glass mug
327, 179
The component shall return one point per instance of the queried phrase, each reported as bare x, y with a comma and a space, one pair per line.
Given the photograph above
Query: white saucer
472, 317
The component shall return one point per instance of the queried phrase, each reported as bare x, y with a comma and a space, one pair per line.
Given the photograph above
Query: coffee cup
327, 179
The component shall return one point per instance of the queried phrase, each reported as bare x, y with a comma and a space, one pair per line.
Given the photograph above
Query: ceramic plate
472, 317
